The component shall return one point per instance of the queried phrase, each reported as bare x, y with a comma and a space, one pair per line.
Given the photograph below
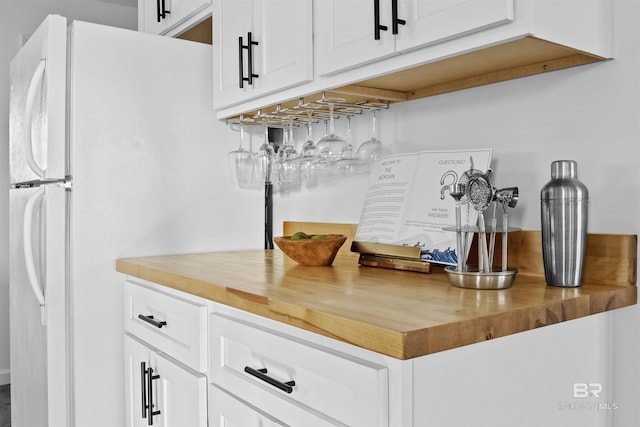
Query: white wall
18, 18
590, 114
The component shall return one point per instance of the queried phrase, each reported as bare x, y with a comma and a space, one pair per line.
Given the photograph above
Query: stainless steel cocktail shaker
564, 202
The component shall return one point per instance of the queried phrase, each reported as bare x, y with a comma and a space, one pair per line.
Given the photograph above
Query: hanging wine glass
308, 155
348, 164
331, 146
308, 147
287, 150
264, 160
288, 172
241, 164
348, 151
373, 148
313, 170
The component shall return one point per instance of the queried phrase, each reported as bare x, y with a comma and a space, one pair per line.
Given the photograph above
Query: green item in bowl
300, 235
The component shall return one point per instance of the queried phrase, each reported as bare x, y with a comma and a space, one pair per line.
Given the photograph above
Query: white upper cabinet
260, 47
162, 16
345, 34
439, 46
351, 33
438, 20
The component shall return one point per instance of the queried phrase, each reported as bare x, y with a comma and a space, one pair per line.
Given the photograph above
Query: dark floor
5, 405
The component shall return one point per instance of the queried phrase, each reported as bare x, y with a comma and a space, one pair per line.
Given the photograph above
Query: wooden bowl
311, 252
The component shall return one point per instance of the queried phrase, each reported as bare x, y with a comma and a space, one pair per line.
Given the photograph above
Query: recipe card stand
391, 256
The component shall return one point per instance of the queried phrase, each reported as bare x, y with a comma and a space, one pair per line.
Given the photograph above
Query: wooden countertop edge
290, 314
511, 322
396, 344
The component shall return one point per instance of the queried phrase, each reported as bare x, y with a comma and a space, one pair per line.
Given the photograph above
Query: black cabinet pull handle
376, 20
251, 43
143, 387
240, 62
262, 375
149, 319
161, 10
165, 12
150, 378
394, 16
241, 48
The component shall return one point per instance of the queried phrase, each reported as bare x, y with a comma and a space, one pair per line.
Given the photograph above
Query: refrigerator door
38, 105
38, 306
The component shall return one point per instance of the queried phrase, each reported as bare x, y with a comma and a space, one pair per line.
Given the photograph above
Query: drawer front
175, 326
227, 410
264, 367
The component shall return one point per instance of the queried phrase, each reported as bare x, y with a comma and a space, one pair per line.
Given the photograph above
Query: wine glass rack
310, 109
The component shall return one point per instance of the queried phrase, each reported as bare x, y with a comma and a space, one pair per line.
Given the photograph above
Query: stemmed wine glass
348, 153
373, 148
313, 167
308, 156
288, 174
331, 146
288, 149
348, 165
241, 164
264, 160
308, 147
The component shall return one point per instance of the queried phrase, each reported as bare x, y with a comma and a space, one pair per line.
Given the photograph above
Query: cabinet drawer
340, 387
226, 410
175, 326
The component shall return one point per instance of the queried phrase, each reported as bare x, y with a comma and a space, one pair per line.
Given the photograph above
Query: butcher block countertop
401, 314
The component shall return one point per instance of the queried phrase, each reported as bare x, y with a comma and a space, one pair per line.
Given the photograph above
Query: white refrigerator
114, 152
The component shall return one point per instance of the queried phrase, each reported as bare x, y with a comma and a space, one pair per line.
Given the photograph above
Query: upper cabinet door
260, 47
232, 19
434, 21
284, 55
346, 35
159, 16
354, 32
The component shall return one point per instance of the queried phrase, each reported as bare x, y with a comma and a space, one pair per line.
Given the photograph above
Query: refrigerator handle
36, 82
28, 254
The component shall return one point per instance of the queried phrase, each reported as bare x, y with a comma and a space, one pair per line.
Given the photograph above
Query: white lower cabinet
165, 346
297, 382
161, 391
263, 373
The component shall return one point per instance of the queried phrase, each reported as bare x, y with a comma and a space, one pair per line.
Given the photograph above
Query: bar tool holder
473, 276
479, 193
